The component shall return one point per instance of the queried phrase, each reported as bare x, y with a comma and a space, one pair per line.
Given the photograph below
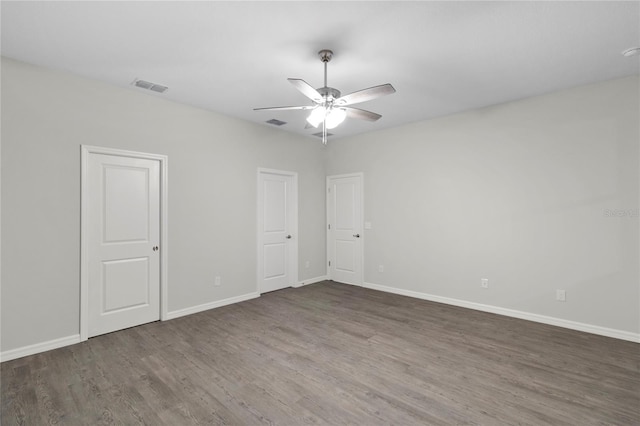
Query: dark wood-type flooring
330, 353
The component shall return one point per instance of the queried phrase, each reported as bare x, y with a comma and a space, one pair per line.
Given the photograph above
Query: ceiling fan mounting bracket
325, 55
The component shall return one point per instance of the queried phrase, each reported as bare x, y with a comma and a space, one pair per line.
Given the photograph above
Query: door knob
288, 237
356, 235
156, 248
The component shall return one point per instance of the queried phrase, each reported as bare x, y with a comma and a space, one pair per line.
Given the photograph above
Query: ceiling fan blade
282, 108
306, 89
362, 114
366, 94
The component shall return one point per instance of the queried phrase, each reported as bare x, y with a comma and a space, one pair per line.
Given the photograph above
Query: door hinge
329, 190
329, 263
329, 225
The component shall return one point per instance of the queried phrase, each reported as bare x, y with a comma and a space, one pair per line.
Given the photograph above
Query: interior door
344, 228
277, 230
123, 214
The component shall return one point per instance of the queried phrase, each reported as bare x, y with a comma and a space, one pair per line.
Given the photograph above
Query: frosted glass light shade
317, 116
335, 116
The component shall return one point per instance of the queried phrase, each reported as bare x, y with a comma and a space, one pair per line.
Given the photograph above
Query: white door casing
123, 266
344, 228
277, 230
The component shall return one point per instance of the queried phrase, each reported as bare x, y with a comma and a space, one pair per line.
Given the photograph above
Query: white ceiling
229, 57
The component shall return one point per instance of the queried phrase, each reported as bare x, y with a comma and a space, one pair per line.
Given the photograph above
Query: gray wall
213, 162
517, 193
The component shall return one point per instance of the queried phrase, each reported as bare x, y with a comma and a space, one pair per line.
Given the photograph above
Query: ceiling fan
329, 108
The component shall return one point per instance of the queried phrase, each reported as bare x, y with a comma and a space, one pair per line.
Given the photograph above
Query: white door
123, 227
344, 228
277, 230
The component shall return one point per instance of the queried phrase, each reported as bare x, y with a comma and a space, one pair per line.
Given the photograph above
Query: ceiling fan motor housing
329, 93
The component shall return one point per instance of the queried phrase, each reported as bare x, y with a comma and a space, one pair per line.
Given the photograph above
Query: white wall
213, 162
516, 193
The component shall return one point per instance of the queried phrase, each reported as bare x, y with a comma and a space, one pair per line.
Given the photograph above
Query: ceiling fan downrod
325, 57
329, 95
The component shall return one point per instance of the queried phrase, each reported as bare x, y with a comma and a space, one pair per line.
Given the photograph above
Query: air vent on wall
150, 86
319, 134
276, 122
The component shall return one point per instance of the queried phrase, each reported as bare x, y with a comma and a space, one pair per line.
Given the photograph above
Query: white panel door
123, 225
344, 233
277, 229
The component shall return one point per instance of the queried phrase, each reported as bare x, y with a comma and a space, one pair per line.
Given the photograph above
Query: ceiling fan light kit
332, 116
330, 108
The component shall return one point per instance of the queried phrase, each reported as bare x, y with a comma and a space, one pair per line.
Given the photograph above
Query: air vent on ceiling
276, 122
150, 86
319, 134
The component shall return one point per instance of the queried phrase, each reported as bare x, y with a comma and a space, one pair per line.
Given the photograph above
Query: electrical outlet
484, 283
217, 281
307, 264
380, 268
561, 295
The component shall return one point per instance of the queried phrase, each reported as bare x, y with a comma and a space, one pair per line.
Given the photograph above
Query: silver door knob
356, 235
288, 237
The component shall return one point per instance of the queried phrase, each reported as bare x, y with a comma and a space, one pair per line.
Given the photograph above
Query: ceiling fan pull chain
324, 129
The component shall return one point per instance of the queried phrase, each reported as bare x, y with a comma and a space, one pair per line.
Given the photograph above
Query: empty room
363, 213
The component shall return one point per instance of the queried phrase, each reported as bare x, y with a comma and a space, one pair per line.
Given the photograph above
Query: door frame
293, 264
359, 175
85, 151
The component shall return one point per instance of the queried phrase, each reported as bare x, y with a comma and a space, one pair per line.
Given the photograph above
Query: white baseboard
71, 340
211, 305
310, 281
573, 325
39, 347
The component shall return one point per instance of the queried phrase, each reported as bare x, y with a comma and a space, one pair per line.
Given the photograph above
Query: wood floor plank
330, 353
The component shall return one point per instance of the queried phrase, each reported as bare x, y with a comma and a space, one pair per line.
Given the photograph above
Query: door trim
293, 265
85, 151
361, 219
